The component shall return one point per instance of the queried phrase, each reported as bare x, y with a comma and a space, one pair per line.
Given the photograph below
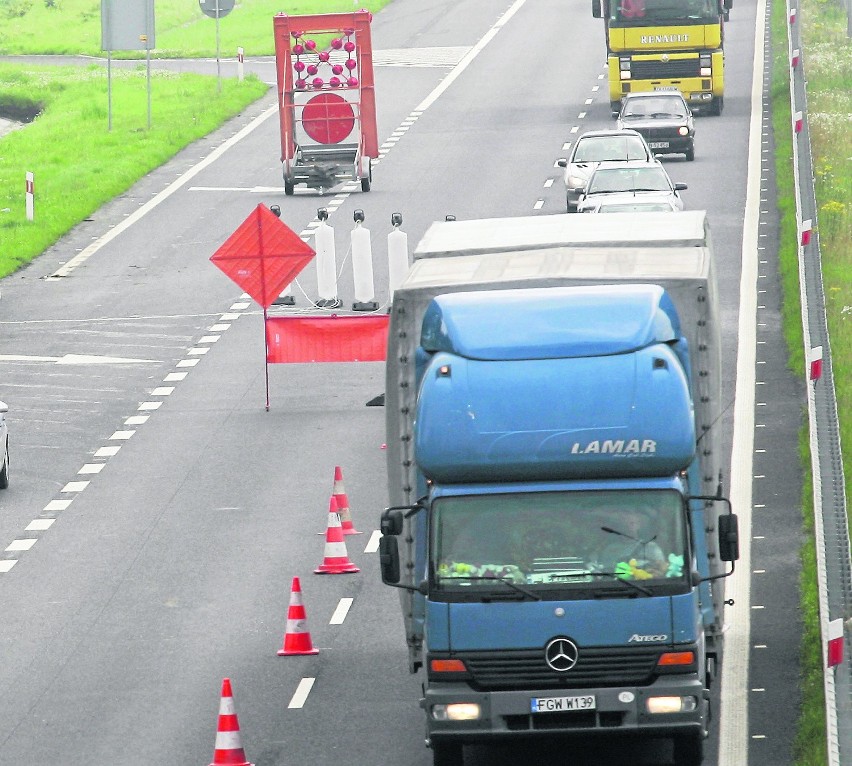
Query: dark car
641, 180
594, 147
663, 118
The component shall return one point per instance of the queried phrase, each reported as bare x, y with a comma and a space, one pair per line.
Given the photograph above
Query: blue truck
557, 527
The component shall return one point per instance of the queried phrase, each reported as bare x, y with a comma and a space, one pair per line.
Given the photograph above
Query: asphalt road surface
158, 512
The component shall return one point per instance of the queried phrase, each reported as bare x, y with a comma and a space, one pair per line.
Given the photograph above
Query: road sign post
216, 9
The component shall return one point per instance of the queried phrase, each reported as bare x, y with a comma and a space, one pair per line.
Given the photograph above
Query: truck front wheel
447, 754
689, 750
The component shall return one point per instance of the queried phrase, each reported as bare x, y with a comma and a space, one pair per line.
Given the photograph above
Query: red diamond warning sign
263, 255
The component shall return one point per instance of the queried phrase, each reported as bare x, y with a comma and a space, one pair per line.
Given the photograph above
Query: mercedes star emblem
561, 654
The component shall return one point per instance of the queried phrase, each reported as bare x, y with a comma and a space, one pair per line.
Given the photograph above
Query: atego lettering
615, 447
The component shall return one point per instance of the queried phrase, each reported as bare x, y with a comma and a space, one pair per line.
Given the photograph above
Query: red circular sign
328, 118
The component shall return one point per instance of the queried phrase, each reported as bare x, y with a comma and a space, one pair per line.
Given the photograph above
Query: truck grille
600, 666
676, 69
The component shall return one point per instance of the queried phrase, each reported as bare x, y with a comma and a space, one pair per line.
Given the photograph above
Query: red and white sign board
263, 256
326, 339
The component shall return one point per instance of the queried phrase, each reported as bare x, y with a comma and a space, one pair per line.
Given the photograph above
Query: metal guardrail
834, 567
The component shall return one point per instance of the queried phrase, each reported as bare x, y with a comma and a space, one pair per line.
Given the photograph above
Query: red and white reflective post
815, 372
835, 643
30, 196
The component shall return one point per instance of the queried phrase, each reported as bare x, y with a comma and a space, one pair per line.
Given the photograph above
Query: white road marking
22, 545
122, 434
107, 451
39, 525
469, 56
75, 486
733, 718
57, 505
163, 391
149, 406
162, 196
302, 692
174, 376
5, 566
75, 359
187, 362
373, 543
341, 611
89, 468
136, 420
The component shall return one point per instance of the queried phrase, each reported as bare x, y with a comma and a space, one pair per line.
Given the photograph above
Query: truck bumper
507, 714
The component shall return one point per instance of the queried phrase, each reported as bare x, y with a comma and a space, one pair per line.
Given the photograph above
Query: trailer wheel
289, 187
689, 751
367, 181
447, 754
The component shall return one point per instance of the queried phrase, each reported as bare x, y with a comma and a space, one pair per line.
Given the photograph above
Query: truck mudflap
568, 712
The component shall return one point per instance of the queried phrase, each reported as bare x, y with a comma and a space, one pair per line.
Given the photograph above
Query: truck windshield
559, 539
666, 12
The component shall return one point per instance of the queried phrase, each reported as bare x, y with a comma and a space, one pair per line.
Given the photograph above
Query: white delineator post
397, 255
362, 266
326, 263
30, 196
240, 64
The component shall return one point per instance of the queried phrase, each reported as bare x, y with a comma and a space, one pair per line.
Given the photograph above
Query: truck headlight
457, 711
671, 704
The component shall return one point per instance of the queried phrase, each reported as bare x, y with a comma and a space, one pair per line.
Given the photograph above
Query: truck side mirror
680, 187
597, 11
391, 523
729, 537
562, 162
389, 559
728, 4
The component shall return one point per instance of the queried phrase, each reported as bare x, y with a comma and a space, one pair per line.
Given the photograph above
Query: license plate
562, 704
666, 87
658, 144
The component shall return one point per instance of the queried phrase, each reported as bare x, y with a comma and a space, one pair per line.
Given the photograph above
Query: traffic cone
297, 639
229, 751
343, 504
336, 559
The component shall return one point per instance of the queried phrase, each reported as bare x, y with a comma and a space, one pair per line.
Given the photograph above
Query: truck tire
289, 187
689, 750
717, 106
447, 754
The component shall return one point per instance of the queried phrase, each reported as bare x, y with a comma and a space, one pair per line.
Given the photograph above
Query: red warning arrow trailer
326, 99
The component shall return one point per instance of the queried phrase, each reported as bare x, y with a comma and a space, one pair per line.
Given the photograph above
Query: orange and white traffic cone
336, 559
343, 503
297, 639
229, 751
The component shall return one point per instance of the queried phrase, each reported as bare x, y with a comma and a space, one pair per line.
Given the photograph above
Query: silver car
599, 146
639, 180
4, 447
630, 202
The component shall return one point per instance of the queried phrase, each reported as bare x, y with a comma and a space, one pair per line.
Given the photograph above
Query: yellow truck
666, 45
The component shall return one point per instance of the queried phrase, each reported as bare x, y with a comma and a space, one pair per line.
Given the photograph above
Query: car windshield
655, 106
638, 207
603, 148
647, 12
543, 540
606, 180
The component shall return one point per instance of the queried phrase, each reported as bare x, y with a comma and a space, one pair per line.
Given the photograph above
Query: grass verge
827, 61
78, 163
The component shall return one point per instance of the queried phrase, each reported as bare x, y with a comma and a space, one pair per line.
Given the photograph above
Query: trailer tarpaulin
326, 339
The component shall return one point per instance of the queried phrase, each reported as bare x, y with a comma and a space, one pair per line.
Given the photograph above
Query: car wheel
4, 471
690, 152
289, 187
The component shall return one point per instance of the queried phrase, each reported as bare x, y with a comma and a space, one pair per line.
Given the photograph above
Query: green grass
828, 63
181, 29
78, 163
